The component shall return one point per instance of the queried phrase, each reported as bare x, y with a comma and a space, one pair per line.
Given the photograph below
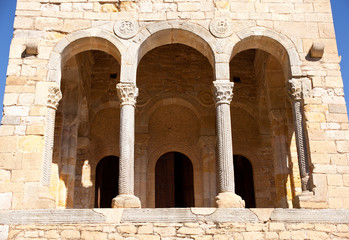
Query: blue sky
340, 9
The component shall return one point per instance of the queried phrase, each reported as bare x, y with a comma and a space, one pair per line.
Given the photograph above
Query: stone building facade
174, 103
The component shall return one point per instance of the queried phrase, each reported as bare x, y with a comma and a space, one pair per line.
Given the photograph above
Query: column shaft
223, 92
225, 149
127, 93
295, 93
301, 145
53, 98
126, 166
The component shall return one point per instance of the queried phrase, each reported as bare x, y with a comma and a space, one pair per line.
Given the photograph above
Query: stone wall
50, 34
203, 224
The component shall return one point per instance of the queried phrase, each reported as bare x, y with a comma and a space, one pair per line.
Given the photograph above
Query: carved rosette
126, 28
294, 89
127, 93
223, 92
53, 98
221, 27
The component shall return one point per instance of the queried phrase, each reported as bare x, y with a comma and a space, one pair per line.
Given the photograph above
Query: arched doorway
243, 176
174, 185
107, 175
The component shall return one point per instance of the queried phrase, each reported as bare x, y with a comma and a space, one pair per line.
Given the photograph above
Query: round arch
80, 41
170, 32
149, 110
197, 171
177, 31
277, 44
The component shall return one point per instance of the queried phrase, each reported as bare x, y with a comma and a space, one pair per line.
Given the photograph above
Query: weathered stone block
5, 201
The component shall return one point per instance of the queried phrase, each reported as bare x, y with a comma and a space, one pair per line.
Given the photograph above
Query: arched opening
243, 175
106, 187
174, 108
87, 124
174, 185
262, 120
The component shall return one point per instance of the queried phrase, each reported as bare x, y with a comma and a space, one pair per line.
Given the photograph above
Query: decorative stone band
127, 93
53, 98
171, 215
223, 92
295, 94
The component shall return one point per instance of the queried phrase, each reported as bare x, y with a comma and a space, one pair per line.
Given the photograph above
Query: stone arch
84, 40
277, 44
151, 108
197, 171
95, 109
190, 34
171, 32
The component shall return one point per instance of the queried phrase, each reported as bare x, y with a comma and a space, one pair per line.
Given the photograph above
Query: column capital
294, 89
53, 97
127, 93
223, 92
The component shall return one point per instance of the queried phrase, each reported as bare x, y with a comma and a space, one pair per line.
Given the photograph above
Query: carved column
127, 93
295, 94
53, 98
223, 93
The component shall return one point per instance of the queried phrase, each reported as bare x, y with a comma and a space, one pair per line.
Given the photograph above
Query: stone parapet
197, 223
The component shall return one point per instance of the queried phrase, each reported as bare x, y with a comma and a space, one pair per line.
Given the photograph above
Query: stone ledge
312, 216
170, 215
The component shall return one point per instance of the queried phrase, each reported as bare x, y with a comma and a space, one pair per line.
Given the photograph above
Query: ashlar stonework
174, 104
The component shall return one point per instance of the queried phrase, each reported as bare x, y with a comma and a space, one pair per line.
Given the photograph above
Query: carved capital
127, 93
294, 89
53, 97
223, 92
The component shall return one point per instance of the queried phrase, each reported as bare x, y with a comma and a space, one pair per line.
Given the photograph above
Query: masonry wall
48, 22
210, 225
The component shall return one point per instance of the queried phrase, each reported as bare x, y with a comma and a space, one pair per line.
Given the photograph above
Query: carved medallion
126, 28
206, 98
221, 27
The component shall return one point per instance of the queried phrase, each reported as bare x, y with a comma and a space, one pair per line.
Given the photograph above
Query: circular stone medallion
221, 27
126, 28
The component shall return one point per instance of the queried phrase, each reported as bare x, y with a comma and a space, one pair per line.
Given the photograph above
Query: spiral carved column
295, 93
53, 98
127, 93
223, 93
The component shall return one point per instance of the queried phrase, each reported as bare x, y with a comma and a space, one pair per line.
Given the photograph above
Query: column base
126, 201
307, 199
229, 200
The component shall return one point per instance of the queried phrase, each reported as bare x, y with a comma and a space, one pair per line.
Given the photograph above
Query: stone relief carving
295, 89
54, 96
221, 27
126, 28
127, 93
223, 92
205, 98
